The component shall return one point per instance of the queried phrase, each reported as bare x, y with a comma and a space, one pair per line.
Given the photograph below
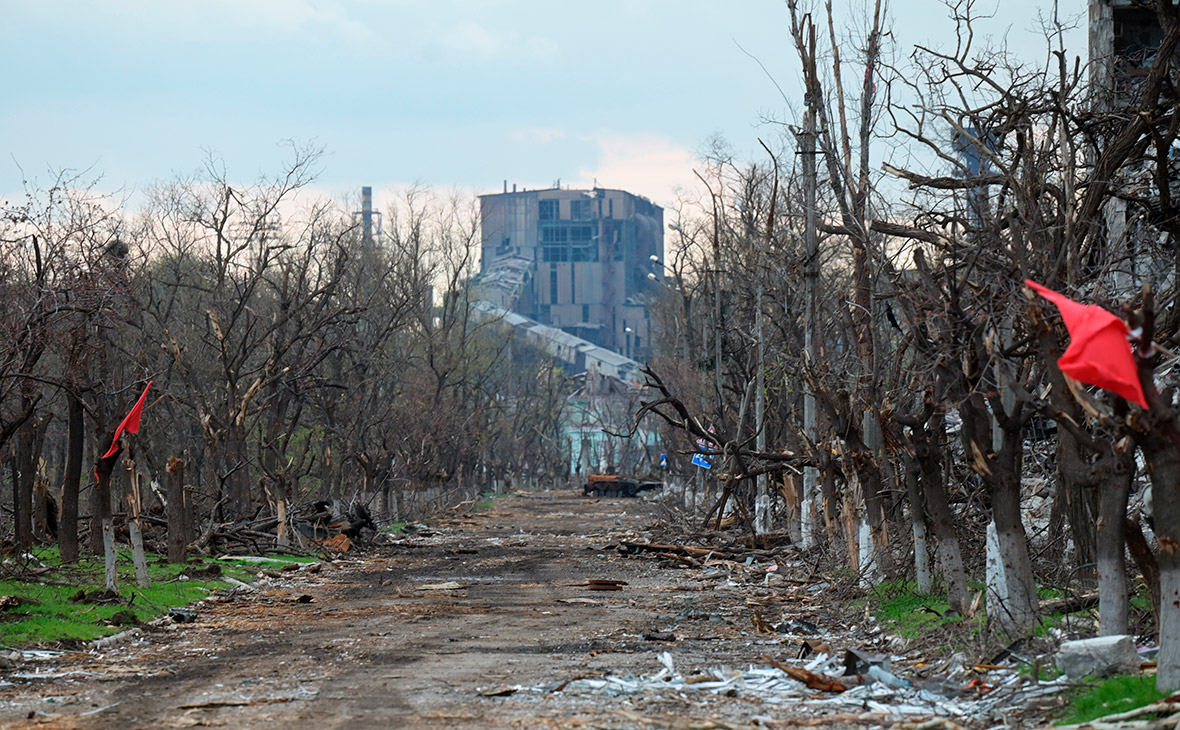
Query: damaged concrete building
576, 260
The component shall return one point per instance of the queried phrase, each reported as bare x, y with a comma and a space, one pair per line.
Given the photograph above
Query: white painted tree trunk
997, 582
869, 572
1167, 678
1111, 550
922, 557
807, 507
108, 549
762, 509
137, 556
135, 528
918, 524
1163, 463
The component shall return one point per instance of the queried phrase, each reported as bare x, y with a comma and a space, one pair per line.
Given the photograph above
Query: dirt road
487, 621
386, 642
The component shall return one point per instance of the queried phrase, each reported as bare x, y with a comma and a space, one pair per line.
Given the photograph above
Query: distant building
1124, 38
577, 260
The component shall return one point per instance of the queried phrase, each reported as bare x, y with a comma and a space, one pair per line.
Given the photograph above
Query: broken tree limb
1069, 604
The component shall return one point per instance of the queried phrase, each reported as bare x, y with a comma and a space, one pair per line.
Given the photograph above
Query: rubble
809, 686
1098, 657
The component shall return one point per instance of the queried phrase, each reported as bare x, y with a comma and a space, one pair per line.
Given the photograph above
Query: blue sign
705, 462
663, 461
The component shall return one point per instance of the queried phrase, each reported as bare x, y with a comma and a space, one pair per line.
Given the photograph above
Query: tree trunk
177, 530
827, 470
135, 527
1018, 615
281, 537
67, 536
22, 486
1145, 560
928, 453
918, 523
102, 499
235, 460
1079, 497
874, 483
1163, 464
1110, 545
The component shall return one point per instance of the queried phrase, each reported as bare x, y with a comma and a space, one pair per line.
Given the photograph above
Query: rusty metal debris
811, 679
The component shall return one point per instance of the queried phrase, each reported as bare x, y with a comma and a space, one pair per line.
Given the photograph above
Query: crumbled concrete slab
1098, 657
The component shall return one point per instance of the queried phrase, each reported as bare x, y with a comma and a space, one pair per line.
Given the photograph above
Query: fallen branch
1069, 604
1116, 720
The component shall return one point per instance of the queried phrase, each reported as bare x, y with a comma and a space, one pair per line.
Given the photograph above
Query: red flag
130, 424
1098, 352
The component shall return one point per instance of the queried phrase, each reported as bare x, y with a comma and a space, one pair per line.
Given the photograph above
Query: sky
453, 94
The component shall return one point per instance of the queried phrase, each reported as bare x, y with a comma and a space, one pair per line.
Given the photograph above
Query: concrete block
1098, 657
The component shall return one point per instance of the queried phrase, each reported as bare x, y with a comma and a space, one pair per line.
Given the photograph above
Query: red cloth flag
1098, 352
130, 424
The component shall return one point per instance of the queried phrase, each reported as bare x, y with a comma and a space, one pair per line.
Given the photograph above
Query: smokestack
367, 214
505, 186
514, 187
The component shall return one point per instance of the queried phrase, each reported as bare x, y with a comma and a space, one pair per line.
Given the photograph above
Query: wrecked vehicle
618, 485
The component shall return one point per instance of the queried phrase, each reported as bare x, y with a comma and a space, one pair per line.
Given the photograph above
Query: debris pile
323, 524
961, 695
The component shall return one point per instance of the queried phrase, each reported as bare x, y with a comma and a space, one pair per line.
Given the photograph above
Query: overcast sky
451, 93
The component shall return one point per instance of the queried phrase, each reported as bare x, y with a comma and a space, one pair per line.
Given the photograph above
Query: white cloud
649, 165
544, 135
469, 37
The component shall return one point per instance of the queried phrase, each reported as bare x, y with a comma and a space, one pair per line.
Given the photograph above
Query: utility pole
810, 340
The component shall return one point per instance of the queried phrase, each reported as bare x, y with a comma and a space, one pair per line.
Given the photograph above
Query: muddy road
485, 623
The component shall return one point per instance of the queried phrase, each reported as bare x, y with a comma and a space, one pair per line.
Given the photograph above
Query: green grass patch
485, 501
395, 528
899, 607
52, 611
1108, 696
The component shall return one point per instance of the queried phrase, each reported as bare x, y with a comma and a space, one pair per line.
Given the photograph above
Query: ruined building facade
577, 260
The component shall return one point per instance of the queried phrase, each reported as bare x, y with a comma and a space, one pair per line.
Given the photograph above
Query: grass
51, 611
485, 501
395, 528
1108, 696
899, 606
